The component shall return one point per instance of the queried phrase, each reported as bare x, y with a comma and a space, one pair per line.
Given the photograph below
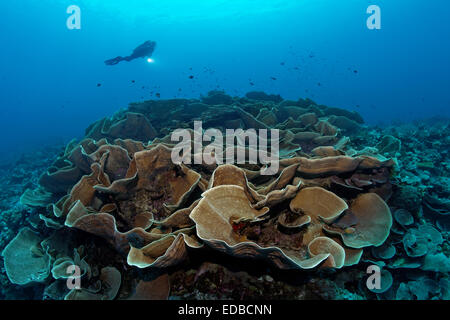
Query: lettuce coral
25, 260
131, 210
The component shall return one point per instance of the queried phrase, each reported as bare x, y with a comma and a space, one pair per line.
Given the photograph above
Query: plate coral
139, 226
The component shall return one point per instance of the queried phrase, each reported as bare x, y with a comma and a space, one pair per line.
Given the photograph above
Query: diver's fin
114, 61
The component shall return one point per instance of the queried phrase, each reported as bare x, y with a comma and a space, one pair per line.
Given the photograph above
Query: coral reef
139, 226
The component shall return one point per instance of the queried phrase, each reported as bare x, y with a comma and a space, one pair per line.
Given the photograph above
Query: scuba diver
145, 50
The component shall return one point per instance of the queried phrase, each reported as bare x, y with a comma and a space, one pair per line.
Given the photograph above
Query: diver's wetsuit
145, 50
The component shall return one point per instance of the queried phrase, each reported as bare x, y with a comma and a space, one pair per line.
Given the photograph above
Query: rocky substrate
15, 178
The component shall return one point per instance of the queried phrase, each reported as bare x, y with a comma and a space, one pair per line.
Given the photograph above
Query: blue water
49, 74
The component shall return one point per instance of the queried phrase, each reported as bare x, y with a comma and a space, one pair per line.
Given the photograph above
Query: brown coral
318, 211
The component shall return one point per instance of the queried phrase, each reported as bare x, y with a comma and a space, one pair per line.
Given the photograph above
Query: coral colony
114, 217
249, 145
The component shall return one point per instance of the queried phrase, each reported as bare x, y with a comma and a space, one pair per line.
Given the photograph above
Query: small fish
133, 81
191, 77
319, 84
252, 84
158, 95
355, 71
273, 78
99, 84
282, 63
